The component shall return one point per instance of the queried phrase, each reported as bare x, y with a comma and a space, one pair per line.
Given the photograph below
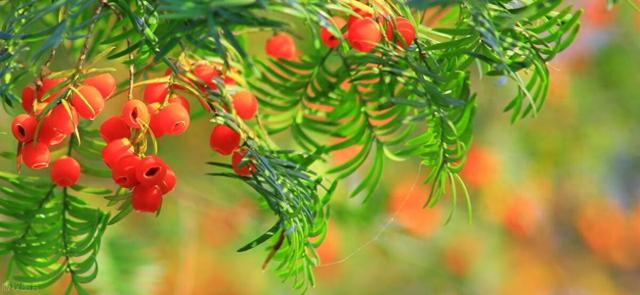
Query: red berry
65, 171
154, 123
49, 136
36, 156
105, 83
172, 119
61, 120
245, 169
146, 198
224, 140
93, 102
124, 171
151, 170
281, 46
329, 39
364, 35
206, 73
116, 150
360, 12
48, 84
134, 112
168, 183
28, 96
245, 104
404, 28
181, 100
23, 127
156, 92
114, 128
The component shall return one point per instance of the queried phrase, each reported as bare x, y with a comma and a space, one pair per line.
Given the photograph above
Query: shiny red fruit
281, 46
116, 150
168, 183
156, 92
364, 35
181, 100
49, 136
105, 83
62, 120
173, 119
48, 84
28, 96
329, 39
23, 127
124, 171
36, 156
245, 104
245, 169
93, 102
360, 12
135, 114
114, 128
206, 73
65, 171
224, 140
404, 28
151, 170
146, 198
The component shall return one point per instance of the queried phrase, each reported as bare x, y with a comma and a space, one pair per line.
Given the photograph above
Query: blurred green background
555, 201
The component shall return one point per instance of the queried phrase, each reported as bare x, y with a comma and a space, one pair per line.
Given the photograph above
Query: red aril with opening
36, 155
23, 127
135, 114
124, 171
172, 119
151, 170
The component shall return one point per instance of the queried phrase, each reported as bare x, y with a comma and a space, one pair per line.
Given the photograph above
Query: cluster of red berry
149, 177
225, 141
60, 121
363, 32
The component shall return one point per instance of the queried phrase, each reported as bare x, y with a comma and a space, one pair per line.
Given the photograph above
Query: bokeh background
555, 199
